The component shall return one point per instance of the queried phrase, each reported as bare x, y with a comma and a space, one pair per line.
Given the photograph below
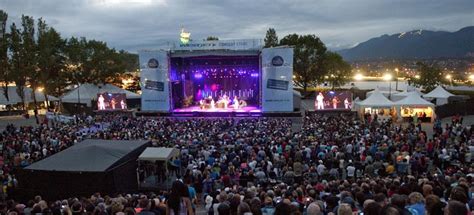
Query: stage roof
158, 154
88, 156
201, 53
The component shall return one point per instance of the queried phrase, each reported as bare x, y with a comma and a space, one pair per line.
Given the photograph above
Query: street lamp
358, 77
388, 77
449, 77
471, 77
396, 79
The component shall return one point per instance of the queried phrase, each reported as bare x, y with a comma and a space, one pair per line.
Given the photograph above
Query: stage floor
248, 109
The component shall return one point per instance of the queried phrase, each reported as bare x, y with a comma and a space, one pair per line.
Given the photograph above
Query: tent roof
414, 100
158, 154
87, 92
407, 93
438, 92
14, 98
376, 99
88, 156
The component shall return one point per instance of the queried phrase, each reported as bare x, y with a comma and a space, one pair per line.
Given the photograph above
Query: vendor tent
14, 98
414, 105
158, 154
376, 99
414, 100
400, 95
85, 93
440, 94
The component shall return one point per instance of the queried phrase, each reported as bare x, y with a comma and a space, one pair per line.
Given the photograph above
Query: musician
320, 101
101, 102
225, 99
113, 103
334, 102
346, 103
213, 104
242, 103
236, 103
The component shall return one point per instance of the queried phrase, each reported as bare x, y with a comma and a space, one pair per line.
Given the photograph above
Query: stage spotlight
198, 75
254, 75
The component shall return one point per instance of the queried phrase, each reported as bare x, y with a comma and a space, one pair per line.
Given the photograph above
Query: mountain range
418, 44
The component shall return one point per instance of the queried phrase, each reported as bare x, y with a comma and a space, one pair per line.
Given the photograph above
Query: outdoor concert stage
217, 78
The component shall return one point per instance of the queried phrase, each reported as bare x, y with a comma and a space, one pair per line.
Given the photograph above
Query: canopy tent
14, 98
377, 104
158, 154
414, 99
413, 105
400, 95
376, 99
85, 93
440, 94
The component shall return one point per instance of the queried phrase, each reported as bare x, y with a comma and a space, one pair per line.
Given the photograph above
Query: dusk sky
149, 24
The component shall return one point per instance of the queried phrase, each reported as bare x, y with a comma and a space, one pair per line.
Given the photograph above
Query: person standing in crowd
179, 201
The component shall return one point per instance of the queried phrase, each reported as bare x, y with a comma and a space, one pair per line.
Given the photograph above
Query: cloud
137, 24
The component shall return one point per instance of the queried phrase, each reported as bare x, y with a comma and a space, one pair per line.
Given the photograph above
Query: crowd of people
333, 165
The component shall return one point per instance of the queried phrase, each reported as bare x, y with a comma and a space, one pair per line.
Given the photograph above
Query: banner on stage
277, 74
245, 44
154, 80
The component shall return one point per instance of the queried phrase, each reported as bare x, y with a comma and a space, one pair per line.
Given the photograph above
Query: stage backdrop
154, 80
277, 84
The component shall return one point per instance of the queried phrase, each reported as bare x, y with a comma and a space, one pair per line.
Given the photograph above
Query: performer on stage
236, 103
113, 103
334, 102
320, 101
101, 102
346, 103
213, 104
123, 105
225, 99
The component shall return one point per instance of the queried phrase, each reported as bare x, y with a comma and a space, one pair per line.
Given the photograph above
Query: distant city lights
359, 77
387, 77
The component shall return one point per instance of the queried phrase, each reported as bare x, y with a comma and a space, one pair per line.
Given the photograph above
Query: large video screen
111, 101
333, 100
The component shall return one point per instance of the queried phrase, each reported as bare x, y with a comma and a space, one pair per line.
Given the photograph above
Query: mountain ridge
415, 44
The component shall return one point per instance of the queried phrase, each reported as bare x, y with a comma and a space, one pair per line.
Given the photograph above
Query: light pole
396, 79
388, 77
449, 77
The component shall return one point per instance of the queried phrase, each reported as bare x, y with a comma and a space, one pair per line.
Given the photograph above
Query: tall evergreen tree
4, 61
271, 38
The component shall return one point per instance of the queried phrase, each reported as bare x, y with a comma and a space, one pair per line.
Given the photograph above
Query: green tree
211, 38
16, 61
338, 72
308, 59
29, 58
429, 76
271, 38
51, 60
4, 61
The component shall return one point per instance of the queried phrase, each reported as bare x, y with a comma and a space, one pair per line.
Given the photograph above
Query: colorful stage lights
254, 75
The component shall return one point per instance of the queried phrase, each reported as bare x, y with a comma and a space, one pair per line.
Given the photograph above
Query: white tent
413, 104
376, 99
400, 95
414, 100
440, 94
85, 93
158, 154
14, 98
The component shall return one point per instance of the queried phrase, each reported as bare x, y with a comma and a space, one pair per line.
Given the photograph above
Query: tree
271, 38
51, 60
428, 77
338, 72
308, 58
211, 38
4, 61
16, 61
